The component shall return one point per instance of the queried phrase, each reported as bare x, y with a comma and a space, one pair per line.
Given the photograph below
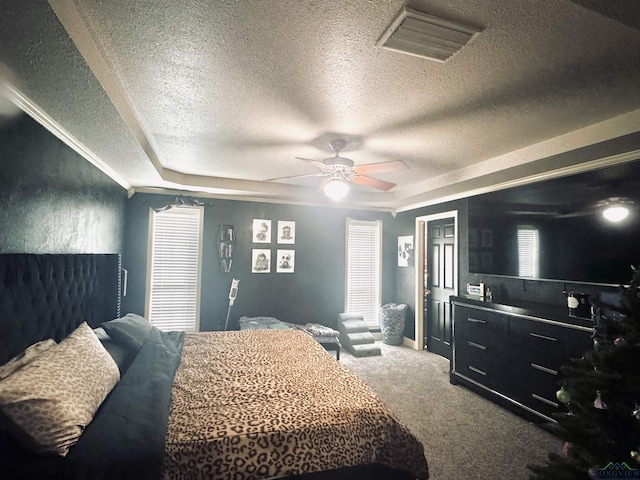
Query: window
528, 250
364, 258
173, 279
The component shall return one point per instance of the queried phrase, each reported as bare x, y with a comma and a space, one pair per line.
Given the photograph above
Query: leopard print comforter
261, 404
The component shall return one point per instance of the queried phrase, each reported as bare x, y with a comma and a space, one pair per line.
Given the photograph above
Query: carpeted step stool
355, 336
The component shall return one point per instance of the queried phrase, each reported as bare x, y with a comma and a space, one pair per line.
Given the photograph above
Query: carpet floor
464, 435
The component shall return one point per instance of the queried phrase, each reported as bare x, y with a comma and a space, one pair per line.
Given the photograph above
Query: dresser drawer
552, 338
524, 359
483, 327
529, 367
537, 396
485, 366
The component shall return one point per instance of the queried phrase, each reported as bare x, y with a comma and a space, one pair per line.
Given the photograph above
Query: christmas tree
601, 392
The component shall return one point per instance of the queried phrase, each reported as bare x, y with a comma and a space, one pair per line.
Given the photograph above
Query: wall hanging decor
260, 260
405, 251
286, 260
226, 245
286, 232
180, 201
261, 230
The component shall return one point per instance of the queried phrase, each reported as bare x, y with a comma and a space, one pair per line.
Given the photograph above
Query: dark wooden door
440, 257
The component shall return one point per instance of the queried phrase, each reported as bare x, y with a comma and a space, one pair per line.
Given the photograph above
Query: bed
245, 405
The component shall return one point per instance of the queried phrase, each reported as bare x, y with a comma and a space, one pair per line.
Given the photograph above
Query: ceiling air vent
422, 35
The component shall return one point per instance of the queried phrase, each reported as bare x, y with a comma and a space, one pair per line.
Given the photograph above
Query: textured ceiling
217, 96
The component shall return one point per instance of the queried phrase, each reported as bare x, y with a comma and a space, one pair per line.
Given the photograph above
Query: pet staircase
355, 335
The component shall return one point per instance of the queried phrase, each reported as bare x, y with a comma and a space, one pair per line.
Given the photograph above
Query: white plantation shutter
173, 300
364, 253
528, 251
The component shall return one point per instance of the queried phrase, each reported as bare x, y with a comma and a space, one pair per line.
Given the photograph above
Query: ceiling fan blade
324, 182
371, 168
315, 162
318, 174
373, 182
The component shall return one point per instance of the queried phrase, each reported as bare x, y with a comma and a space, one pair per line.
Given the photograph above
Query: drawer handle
544, 369
477, 370
544, 400
543, 337
475, 320
477, 345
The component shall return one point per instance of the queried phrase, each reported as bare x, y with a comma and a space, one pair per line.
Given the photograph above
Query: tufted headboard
48, 296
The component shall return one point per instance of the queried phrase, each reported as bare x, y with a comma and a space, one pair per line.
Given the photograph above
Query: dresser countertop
530, 309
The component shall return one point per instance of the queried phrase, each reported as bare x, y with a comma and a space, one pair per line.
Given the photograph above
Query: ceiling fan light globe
615, 213
336, 189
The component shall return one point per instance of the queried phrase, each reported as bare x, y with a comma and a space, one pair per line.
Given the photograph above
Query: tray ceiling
216, 97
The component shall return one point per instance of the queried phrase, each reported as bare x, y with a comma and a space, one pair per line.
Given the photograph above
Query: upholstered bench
330, 344
325, 336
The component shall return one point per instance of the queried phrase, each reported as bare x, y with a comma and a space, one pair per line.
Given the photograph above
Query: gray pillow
131, 330
101, 334
120, 354
257, 323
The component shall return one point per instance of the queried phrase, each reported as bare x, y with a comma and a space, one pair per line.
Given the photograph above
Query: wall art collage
285, 258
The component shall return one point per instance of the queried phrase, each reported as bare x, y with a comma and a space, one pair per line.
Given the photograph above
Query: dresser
513, 354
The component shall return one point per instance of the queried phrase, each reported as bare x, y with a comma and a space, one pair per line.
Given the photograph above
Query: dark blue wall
406, 277
54, 201
51, 199
313, 293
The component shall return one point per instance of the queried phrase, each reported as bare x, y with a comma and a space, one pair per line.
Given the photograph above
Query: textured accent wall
51, 199
313, 293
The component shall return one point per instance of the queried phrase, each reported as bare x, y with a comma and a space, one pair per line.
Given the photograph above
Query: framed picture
285, 261
286, 232
405, 251
261, 231
261, 260
487, 237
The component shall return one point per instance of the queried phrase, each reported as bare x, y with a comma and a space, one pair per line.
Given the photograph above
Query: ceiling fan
341, 170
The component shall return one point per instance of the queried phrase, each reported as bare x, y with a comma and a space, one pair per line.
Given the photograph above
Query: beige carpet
464, 436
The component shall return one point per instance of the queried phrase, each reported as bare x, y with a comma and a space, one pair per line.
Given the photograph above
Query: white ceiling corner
216, 97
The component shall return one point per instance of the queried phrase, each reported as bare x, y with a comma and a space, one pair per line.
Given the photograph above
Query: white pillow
53, 398
26, 356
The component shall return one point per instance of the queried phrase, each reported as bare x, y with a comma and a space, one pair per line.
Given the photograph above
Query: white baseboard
409, 342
